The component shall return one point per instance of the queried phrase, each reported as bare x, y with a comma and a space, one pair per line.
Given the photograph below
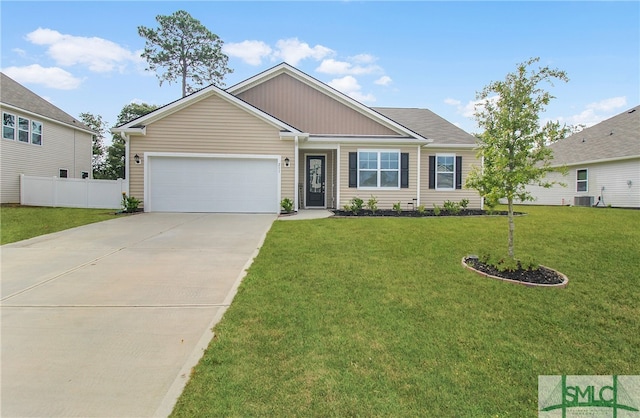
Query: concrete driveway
108, 319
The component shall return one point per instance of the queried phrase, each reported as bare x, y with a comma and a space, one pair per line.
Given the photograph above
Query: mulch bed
416, 214
540, 276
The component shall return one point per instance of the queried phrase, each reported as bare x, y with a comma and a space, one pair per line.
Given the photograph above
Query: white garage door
236, 185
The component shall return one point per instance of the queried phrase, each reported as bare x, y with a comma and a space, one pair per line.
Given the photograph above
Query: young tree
114, 166
186, 49
513, 144
99, 126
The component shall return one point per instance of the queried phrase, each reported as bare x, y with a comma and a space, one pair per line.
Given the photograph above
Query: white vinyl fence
71, 193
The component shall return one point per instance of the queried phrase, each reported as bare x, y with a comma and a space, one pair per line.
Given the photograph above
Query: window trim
7, 126
585, 181
378, 170
453, 172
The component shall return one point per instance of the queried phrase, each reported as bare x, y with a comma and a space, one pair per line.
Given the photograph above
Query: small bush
464, 203
287, 205
421, 209
436, 210
505, 263
451, 207
129, 203
354, 206
372, 204
397, 207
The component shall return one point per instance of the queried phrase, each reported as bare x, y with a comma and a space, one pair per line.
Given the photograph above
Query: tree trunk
512, 227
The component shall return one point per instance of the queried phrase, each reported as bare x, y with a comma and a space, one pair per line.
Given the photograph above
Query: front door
315, 181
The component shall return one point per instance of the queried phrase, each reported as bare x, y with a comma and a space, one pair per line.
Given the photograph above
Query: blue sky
84, 56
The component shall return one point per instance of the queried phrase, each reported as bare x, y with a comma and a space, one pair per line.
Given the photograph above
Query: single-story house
38, 139
284, 134
603, 163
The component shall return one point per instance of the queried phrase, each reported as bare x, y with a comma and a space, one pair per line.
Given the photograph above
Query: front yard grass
376, 317
23, 222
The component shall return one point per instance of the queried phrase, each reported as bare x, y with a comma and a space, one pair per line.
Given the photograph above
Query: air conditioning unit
583, 201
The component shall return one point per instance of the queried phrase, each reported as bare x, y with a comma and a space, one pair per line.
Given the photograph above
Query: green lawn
376, 317
22, 222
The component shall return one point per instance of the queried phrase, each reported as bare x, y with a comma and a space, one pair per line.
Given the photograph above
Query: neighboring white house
603, 163
38, 139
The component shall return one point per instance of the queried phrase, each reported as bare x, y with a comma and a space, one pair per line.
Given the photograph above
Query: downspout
295, 174
338, 177
418, 181
126, 161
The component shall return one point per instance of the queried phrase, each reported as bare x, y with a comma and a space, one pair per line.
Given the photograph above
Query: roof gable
15, 95
315, 107
615, 138
138, 124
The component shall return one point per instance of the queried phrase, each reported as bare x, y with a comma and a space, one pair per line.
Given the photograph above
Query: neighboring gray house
603, 163
38, 139
284, 134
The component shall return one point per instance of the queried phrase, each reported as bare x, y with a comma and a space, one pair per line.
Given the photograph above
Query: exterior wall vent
583, 201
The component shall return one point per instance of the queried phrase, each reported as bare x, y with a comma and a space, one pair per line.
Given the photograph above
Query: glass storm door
315, 181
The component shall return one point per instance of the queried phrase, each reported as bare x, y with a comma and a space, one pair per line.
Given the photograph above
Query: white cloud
364, 59
331, 66
469, 109
99, 55
608, 105
385, 80
251, 52
452, 102
350, 86
596, 112
293, 51
52, 77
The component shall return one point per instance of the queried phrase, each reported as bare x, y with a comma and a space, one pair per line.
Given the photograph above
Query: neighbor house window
23, 129
582, 181
445, 171
64, 173
36, 133
379, 169
8, 126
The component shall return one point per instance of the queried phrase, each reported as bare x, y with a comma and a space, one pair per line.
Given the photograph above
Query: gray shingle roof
429, 125
616, 137
14, 94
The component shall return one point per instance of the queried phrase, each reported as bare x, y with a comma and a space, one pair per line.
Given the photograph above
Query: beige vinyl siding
211, 126
62, 147
429, 197
310, 110
386, 198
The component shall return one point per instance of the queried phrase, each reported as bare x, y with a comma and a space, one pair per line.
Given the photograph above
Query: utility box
583, 201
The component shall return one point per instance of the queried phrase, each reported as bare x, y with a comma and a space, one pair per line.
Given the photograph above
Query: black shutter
458, 172
404, 170
353, 169
432, 171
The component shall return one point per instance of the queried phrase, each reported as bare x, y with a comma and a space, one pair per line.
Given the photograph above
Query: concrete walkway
108, 319
304, 214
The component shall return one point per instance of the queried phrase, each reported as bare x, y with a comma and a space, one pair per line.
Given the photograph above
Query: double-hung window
379, 169
582, 183
445, 171
36, 133
8, 126
23, 129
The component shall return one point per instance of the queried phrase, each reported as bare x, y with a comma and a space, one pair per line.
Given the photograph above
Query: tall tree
114, 166
513, 144
186, 49
99, 126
